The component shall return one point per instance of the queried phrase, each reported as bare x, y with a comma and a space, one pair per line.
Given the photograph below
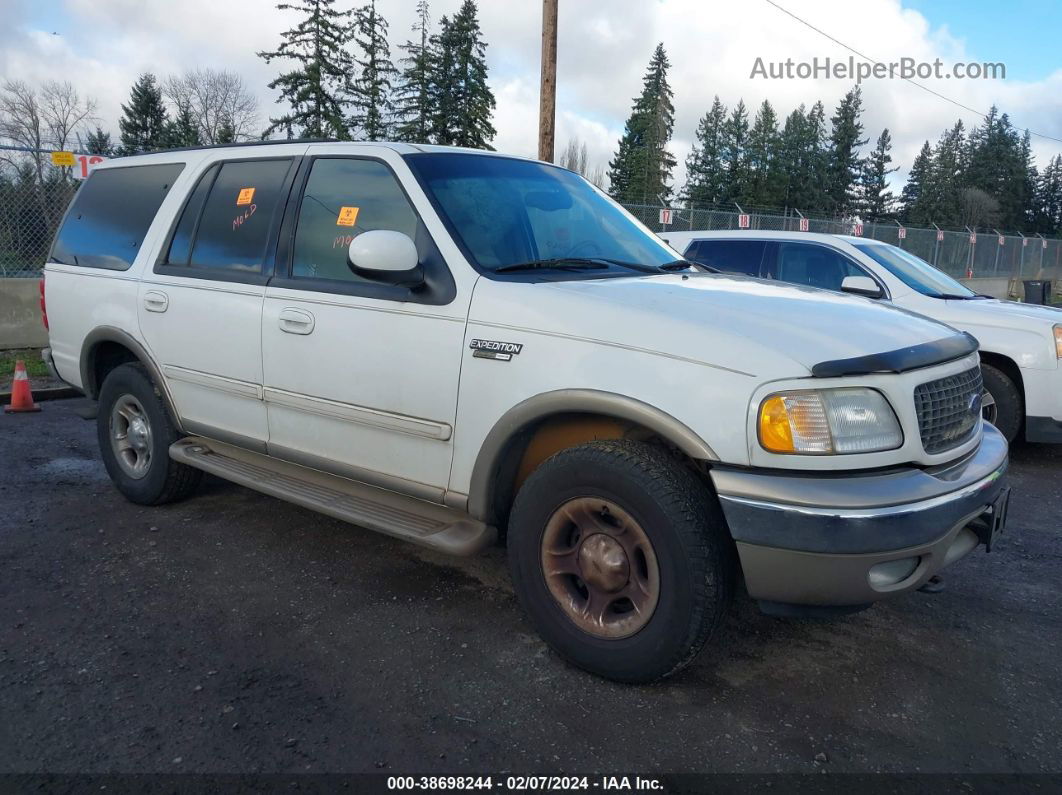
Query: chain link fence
959, 254
30, 212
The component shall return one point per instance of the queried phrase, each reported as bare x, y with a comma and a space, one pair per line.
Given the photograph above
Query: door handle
295, 321
154, 301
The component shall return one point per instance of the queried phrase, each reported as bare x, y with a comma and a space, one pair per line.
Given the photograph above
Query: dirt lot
235, 633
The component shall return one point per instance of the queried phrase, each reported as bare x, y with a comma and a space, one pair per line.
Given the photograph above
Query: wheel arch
536, 428
1007, 366
107, 347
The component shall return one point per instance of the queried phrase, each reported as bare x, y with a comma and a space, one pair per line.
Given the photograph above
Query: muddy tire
621, 559
135, 433
1003, 405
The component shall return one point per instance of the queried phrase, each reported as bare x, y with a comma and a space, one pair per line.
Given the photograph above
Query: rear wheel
135, 433
1001, 403
621, 558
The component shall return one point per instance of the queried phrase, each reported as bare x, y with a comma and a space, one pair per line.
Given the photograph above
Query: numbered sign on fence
85, 165
804, 225
62, 158
940, 235
665, 215
857, 230
973, 239
902, 233
743, 221
1024, 242
1002, 240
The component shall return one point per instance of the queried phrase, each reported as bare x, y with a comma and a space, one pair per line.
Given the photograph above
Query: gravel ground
235, 633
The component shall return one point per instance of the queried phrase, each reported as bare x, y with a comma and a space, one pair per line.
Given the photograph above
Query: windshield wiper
683, 264
954, 297
572, 263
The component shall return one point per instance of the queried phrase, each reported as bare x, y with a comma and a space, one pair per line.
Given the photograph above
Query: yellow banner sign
62, 158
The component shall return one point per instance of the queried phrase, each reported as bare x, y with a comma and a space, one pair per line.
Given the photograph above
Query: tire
131, 406
690, 550
1006, 410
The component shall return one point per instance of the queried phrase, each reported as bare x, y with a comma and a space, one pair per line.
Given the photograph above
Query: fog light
891, 572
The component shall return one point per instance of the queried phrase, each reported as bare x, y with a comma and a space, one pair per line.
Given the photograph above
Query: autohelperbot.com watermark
857, 69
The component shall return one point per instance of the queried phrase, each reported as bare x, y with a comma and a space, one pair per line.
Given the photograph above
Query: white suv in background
1021, 344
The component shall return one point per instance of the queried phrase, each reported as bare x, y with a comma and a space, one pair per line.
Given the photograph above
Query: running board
388, 512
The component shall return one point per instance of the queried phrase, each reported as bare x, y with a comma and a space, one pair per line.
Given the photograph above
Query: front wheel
1001, 403
135, 433
621, 558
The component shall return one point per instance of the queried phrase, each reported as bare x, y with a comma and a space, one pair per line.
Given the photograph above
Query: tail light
44, 309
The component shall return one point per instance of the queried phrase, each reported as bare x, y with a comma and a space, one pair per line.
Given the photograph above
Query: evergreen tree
463, 102
802, 160
317, 89
845, 142
911, 197
413, 108
226, 132
182, 129
944, 184
371, 93
735, 153
99, 143
442, 82
999, 167
1047, 207
144, 120
877, 200
641, 170
820, 154
705, 175
766, 180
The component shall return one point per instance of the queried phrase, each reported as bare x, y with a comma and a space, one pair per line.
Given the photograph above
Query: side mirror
861, 285
383, 250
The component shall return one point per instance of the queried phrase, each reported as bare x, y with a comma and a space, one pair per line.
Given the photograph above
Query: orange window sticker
347, 216
246, 196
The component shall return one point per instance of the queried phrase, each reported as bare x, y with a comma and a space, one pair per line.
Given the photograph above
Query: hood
1007, 314
709, 318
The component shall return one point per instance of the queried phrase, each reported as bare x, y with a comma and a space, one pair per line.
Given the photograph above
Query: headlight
828, 421
1058, 341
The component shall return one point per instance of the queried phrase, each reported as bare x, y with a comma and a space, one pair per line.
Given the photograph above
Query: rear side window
181, 243
730, 256
226, 223
110, 216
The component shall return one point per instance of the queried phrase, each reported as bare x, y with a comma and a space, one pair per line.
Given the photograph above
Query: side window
343, 198
814, 266
730, 256
181, 243
233, 228
111, 214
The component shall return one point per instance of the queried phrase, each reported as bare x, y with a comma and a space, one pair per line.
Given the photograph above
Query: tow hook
934, 584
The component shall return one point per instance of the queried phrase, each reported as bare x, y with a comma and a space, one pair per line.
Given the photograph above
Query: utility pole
547, 100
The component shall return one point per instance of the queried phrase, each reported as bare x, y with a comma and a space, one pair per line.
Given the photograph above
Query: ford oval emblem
974, 405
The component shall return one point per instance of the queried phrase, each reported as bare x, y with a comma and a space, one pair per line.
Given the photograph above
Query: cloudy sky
102, 45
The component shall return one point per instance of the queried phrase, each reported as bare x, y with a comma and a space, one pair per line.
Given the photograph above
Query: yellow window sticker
347, 216
246, 196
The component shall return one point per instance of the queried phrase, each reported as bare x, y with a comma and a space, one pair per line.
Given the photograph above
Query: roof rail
270, 142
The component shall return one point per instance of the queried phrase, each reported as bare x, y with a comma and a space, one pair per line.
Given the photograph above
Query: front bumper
820, 538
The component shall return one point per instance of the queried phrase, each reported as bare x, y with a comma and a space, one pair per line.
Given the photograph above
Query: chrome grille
948, 409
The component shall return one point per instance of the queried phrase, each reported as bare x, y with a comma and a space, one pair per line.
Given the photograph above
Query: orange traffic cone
21, 396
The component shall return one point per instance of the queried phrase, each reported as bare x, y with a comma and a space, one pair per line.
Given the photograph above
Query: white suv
435, 343
1021, 344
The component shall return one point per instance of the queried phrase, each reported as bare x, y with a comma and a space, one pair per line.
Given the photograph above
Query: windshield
916, 273
508, 212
